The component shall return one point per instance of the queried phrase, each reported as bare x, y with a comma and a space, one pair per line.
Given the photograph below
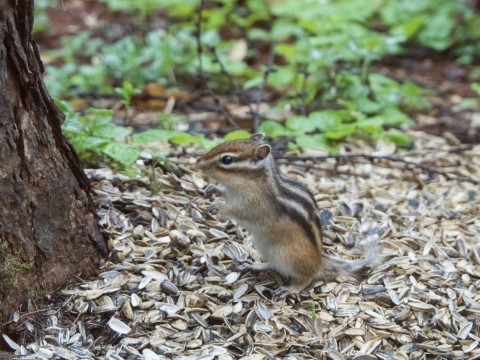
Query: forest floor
169, 288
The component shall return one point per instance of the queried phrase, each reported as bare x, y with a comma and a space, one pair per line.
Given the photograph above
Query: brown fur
280, 221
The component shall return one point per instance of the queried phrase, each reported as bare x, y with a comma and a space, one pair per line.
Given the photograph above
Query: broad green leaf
71, 126
318, 141
104, 113
182, 138
254, 82
154, 135
285, 28
393, 117
371, 126
273, 129
237, 135
64, 106
259, 34
123, 153
399, 138
84, 142
438, 29
409, 28
465, 104
371, 121
341, 132
300, 124
476, 88
282, 76
366, 106
371, 130
111, 131
329, 120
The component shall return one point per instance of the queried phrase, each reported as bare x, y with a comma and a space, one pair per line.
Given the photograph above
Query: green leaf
362, 104
273, 129
283, 29
371, 126
237, 135
110, 131
318, 141
300, 124
83, 142
100, 113
326, 121
72, 126
476, 88
123, 153
399, 138
64, 106
154, 135
282, 76
372, 130
341, 132
437, 32
409, 28
394, 117
259, 34
182, 138
465, 104
254, 82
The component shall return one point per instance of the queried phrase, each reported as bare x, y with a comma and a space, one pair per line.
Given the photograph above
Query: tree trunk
48, 232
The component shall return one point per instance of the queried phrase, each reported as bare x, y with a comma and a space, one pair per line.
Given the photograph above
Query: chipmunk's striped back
296, 202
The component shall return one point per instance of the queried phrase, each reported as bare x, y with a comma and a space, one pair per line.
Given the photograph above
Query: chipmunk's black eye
227, 159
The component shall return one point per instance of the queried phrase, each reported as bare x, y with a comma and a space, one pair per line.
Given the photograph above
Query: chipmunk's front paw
211, 190
285, 292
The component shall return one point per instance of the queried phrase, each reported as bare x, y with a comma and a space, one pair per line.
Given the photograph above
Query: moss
38, 298
65, 259
11, 265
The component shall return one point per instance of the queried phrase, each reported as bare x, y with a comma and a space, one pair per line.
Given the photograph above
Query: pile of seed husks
169, 289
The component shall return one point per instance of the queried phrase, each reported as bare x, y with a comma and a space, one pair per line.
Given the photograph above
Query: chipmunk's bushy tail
334, 268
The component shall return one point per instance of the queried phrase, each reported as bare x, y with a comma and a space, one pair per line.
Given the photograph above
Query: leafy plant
94, 136
440, 25
323, 65
142, 8
91, 65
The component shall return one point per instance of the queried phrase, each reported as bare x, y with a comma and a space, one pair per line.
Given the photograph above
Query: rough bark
48, 231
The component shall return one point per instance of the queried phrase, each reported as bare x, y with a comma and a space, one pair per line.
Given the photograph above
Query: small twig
263, 85
303, 92
238, 91
409, 165
24, 316
203, 77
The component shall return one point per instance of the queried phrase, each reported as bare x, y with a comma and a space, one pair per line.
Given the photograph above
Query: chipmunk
280, 213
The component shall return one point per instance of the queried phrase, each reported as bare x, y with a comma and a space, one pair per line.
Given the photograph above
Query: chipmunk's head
232, 161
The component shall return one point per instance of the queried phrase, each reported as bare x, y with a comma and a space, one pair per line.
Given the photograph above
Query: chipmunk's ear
261, 152
258, 137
